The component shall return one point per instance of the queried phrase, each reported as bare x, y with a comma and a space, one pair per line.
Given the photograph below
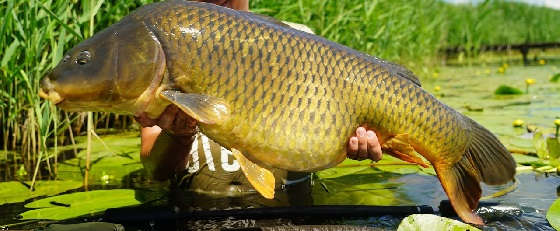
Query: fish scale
261, 56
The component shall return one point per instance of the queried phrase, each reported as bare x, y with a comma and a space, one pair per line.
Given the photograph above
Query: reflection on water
522, 209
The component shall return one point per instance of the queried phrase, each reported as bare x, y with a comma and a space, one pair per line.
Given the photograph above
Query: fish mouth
47, 92
52, 96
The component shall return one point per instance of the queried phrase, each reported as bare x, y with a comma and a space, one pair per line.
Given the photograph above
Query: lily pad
419, 222
388, 164
78, 204
555, 78
347, 167
367, 187
526, 159
109, 164
14, 191
507, 90
553, 214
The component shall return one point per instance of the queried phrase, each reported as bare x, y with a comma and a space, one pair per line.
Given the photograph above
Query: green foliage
419, 222
555, 78
366, 187
13, 192
402, 31
79, 204
507, 90
553, 214
364, 183
33, 37
527, 159
108, 166
494, 22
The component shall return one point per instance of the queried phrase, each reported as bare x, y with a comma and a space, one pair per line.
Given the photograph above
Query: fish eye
83, 57
66, 58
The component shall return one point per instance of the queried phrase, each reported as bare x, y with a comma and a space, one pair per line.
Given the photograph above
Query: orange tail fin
485, 159
461, 183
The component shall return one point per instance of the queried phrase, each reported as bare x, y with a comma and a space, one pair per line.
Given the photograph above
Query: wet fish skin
290, 84
293, 98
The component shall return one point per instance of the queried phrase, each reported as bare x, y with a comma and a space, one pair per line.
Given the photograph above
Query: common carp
276, 96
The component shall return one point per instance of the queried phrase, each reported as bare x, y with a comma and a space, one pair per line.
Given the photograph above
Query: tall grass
405, 31
500, 23
34, 34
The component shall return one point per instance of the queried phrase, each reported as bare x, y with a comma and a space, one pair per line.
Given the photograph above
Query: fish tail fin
492, 161
461, 183
485, 159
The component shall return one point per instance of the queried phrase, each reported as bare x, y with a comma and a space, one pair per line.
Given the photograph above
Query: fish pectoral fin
261, 178
399, 147
203, 108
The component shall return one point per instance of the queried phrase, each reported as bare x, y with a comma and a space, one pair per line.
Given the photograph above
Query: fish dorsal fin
264, 18
399, 147
403, 73
261, 178
203, 108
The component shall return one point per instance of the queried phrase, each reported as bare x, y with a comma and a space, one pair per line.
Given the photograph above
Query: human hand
364, 145
172, 120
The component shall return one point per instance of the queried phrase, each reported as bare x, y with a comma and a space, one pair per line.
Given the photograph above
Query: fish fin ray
400, 147
461, 183
261, 178
492, 161
203, 108
403, 73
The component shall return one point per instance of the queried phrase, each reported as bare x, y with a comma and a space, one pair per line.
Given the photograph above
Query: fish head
116, 70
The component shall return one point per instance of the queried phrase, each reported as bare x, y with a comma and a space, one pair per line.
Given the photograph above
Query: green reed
34, 34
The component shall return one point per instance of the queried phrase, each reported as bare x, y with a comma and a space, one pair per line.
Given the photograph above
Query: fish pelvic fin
492, 161
261, 178
203, 108
461, 183
399, 146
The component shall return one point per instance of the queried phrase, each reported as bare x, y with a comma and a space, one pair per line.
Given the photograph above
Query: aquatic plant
554, 78
33, 38
557, 124
507, 90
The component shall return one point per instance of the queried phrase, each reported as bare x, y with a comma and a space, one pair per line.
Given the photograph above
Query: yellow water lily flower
518, 123
437, 88
557, 122
542, 61
501, 70
505, 65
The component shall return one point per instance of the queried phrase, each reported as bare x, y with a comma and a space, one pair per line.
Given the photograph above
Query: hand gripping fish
278, 97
